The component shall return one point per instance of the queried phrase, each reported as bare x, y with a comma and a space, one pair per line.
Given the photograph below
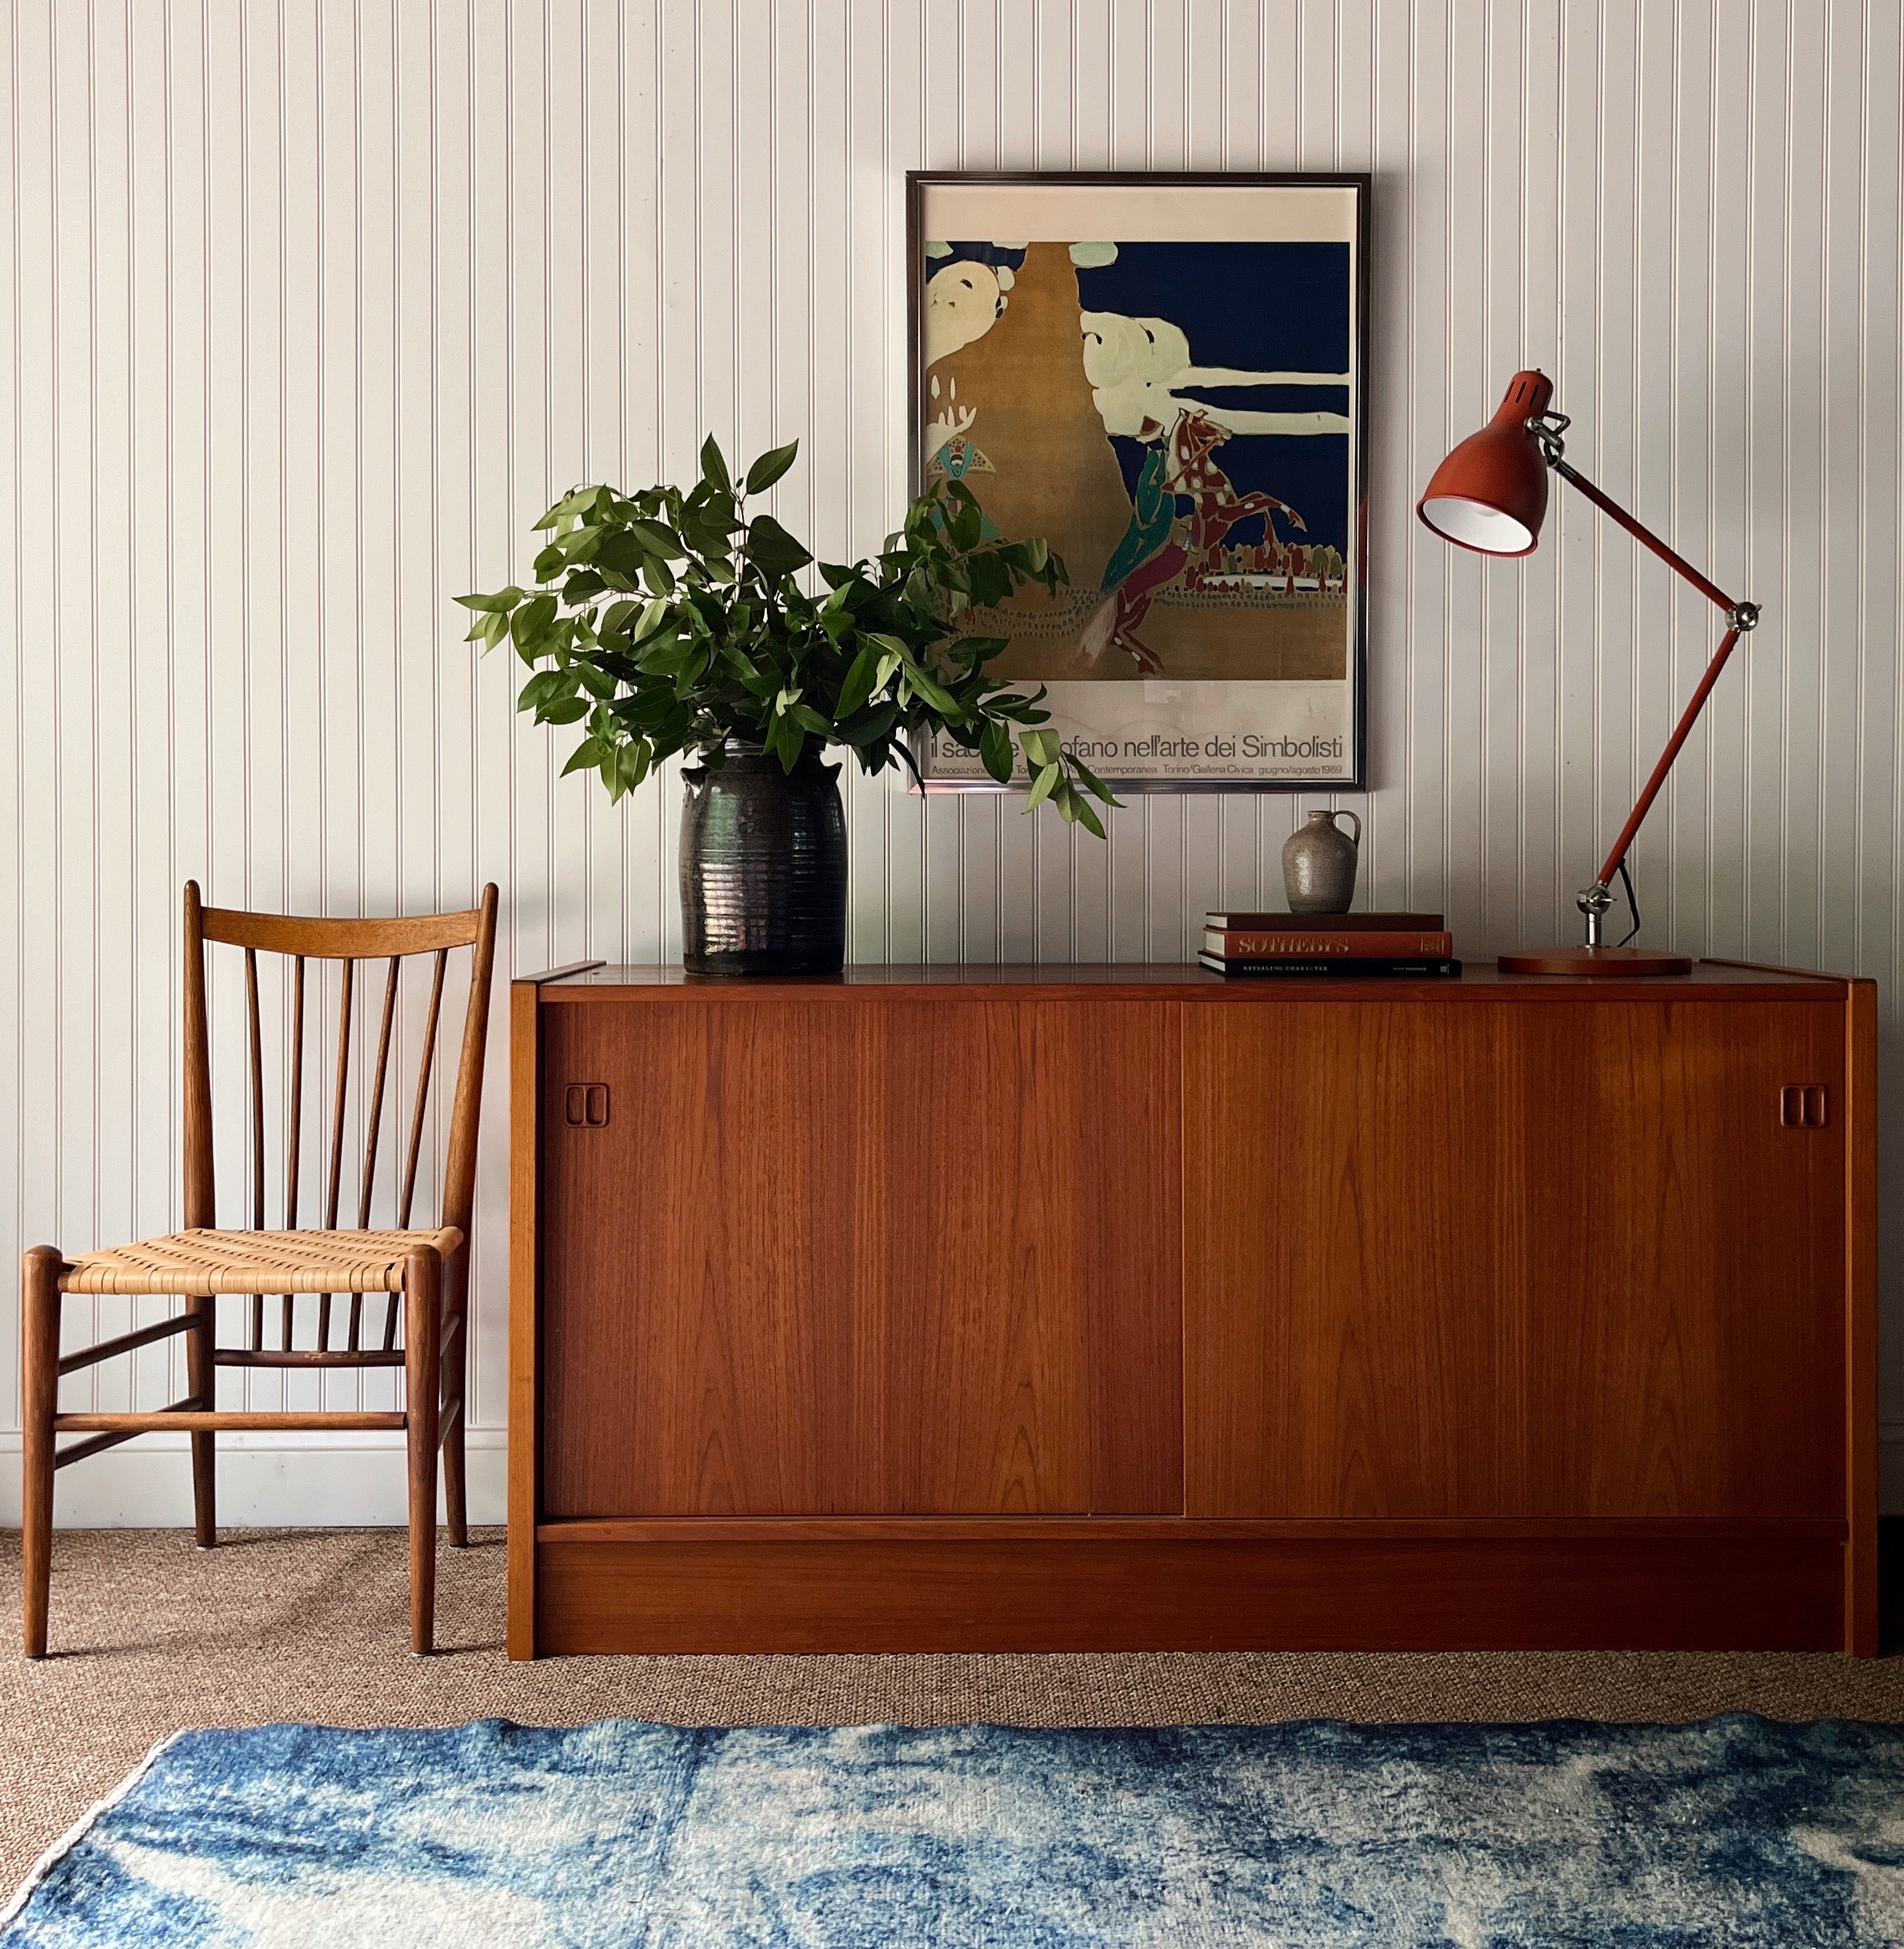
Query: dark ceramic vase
763, 866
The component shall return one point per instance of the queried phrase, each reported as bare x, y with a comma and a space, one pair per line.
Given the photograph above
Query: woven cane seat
196, 1264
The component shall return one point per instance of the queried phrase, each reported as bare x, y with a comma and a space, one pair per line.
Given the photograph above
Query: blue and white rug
1739, 1831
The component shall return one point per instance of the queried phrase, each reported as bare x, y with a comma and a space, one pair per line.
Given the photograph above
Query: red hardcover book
1329, 943
1231, 922
1278, 967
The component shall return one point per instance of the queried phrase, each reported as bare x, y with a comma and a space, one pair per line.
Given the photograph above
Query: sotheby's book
1314, 943
1342, 966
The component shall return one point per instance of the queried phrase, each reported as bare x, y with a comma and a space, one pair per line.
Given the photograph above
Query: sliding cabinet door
896, 1256
1544, 1259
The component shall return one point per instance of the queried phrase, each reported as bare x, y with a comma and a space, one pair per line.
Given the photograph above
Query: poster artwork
1178, 415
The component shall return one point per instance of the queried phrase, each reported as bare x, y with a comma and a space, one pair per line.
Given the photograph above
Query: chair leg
39, 1308
422, 1377
201, 1378
456, 1498
455, 1389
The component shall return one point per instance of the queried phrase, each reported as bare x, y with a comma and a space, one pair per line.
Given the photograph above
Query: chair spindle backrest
347, 942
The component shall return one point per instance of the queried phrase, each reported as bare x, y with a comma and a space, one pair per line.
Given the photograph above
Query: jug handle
1343, 812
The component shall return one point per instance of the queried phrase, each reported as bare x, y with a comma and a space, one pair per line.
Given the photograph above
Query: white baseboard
296, 1480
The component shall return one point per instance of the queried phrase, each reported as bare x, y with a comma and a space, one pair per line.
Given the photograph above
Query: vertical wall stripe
312, 305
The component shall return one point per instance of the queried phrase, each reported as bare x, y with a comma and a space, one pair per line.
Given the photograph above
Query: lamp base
1595, 960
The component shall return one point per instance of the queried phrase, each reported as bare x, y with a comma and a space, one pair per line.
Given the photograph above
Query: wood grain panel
1560, 1260
699, 1256
974, 1591
1685, 1260
1351, 1332
1032, 1337
908, 1256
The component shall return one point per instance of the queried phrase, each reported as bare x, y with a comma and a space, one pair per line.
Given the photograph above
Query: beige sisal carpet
149, 1636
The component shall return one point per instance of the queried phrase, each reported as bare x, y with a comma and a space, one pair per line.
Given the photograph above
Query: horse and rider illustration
1153, 554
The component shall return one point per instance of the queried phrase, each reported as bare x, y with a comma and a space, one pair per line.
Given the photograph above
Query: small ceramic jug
1318, 864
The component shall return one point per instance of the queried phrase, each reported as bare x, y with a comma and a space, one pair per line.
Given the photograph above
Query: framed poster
1162, 376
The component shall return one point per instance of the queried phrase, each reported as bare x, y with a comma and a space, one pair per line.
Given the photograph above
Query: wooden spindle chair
428, 1271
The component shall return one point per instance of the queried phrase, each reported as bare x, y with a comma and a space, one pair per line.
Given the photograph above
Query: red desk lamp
1490, 495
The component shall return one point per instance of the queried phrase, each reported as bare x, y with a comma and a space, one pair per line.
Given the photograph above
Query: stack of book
1354, 944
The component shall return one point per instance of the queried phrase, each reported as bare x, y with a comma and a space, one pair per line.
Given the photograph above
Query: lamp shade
1490, 493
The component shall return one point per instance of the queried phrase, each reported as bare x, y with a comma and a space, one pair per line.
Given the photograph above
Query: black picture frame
919, 184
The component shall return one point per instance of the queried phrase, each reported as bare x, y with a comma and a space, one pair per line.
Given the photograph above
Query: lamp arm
1741, 617
1688, 718
1642, 534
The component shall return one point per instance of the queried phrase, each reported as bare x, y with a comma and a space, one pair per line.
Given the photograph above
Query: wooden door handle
1803, 1106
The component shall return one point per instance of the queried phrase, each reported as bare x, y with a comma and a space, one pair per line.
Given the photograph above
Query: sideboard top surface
1709, 981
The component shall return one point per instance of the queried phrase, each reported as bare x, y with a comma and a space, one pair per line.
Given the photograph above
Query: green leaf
976, 650
691, 672
658, 576
1041, 788
586, 757
995, 748
772, 550
653, 616
530, 623
621, 551
967, 526
573, 503
1075, 808
869, 729
1095, 784
929, 692
858, 686
499, 604
770, 467
658, 539
713, 466
564, 711
663, 654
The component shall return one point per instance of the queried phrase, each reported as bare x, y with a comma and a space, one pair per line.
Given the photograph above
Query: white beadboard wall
312, 306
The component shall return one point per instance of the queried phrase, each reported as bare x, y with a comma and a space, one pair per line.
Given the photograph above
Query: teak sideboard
1080, 1308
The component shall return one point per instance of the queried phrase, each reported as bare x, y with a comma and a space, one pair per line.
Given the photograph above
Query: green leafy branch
662, 621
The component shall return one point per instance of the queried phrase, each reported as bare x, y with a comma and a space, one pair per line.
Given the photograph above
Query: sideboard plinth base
751, 1585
